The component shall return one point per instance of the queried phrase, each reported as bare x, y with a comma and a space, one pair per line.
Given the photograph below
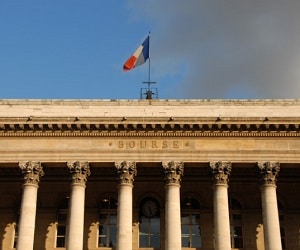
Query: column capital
79, 171
220, 171
126, 172
32, 171
173, 171
268, 172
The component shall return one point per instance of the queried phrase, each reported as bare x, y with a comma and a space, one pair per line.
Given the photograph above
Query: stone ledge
150, 109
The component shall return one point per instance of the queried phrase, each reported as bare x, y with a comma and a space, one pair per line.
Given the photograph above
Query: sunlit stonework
79, 171
32, 172
268, 172
220, 172
173, 171
126, 172
164, 140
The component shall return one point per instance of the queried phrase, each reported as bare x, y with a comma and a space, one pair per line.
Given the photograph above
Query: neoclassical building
150, 174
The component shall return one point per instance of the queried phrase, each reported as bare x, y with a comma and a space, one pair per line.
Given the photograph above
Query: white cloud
228, 49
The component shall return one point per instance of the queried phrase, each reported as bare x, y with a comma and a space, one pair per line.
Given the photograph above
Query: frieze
151, 144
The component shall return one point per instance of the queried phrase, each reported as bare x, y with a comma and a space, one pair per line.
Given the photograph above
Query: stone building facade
150, 174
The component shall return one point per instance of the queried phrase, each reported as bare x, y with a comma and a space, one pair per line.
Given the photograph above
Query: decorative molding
32, 172
79, 171
126, 172
268, 172
150, 134
179, 127
220, 172
173, 171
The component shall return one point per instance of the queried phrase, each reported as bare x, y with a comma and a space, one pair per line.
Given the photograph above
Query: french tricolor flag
139, 57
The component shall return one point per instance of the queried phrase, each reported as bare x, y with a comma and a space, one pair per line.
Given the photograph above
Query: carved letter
175, 144
131, 144
154, 145
164, 144
143, 144
121, 144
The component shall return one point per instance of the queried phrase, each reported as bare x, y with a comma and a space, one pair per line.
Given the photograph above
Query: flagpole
140, 56
149, 65
149, 93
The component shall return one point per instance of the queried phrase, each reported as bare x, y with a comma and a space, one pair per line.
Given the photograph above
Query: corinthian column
79, 172
126, 172
268, 174
221, 172
32, 171
173, 172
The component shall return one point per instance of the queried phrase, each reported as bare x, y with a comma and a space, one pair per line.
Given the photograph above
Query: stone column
268, 174
32, 171
173, 172
126, 172
79, 173
221, 172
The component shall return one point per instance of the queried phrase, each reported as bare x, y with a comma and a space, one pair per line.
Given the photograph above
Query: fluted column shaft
79, 172
172, 173
32, 171
221, 172
126, 172
268, 174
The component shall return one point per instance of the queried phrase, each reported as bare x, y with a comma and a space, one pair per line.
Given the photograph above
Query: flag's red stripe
129, 64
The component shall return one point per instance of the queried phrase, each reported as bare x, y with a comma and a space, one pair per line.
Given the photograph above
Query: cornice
118, 102
149, 127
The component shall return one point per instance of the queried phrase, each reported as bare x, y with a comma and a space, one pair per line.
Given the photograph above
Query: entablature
143, 126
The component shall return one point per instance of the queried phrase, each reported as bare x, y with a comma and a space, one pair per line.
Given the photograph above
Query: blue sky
75, 49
